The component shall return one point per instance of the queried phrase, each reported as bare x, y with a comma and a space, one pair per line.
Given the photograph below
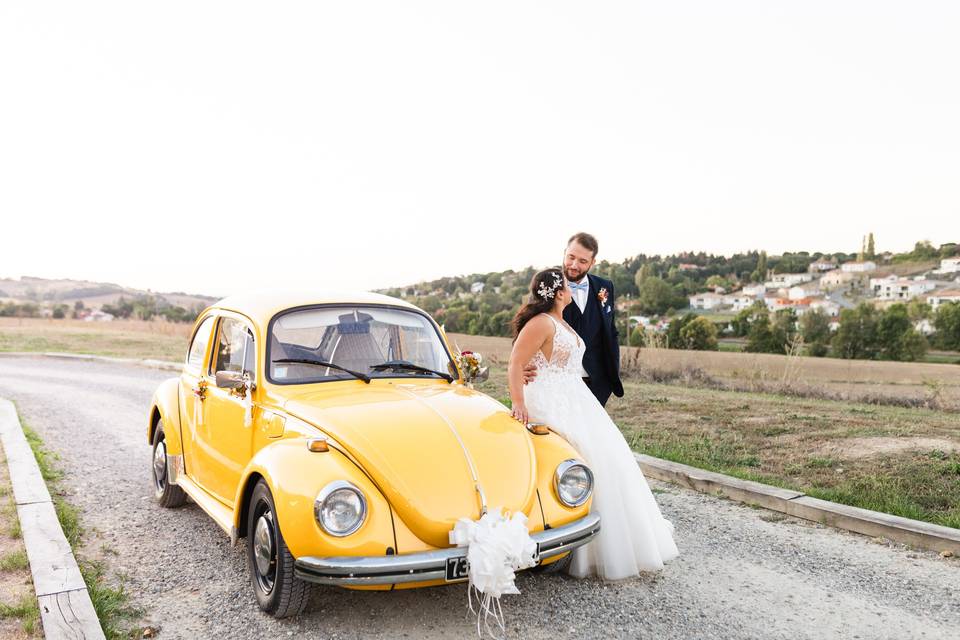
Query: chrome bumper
429, 565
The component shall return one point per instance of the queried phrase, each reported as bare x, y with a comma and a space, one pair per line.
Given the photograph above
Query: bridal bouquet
469, 363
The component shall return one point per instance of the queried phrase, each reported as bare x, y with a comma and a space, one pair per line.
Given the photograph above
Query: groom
591, 315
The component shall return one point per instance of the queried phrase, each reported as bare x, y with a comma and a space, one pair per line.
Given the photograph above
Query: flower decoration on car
469, 363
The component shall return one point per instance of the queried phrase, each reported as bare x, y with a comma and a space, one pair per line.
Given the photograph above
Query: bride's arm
533, 336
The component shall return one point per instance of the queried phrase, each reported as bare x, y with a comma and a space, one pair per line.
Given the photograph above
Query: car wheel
278, 591
560, 566
168, 495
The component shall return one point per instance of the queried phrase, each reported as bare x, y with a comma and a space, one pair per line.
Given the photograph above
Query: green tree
638, 338
760, 273
675, 330
857, 336
60, 311
760, 338
742, 321
871, 248
700, 335
919, 310
897, 338
947, 323
815, 329
656, 296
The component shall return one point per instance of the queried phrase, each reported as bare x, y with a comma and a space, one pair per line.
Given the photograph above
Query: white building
801, 291
708, 300
755, 289
820, 266
837, 278
477, 287
829, 307
944, 295
925, 327
949, 265
789, 279
739, 301
894, 288
98, 316
859, 267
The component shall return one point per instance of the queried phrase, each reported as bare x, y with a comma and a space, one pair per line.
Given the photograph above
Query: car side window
199, 346
235, 350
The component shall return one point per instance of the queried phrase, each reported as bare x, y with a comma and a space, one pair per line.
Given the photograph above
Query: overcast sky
214, 147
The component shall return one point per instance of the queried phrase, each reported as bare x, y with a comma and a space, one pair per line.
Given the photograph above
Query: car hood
417, 442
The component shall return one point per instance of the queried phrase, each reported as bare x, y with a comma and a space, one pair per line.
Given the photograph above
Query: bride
634, 536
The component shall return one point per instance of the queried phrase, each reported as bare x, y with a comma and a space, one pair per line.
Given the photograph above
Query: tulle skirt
634, 536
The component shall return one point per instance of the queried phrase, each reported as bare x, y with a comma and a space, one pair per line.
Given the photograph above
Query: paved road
743, 573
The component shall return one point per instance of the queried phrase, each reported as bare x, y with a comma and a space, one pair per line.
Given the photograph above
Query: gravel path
742, 573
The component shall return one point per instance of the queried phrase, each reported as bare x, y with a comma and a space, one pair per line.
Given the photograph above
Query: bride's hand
519, 412
529, 373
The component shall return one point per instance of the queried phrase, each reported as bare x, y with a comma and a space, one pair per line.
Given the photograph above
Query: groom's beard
568, 274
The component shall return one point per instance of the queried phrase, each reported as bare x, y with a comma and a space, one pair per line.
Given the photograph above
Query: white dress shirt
580, 298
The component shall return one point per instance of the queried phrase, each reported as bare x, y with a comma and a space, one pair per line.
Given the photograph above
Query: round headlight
340, 508
573, 483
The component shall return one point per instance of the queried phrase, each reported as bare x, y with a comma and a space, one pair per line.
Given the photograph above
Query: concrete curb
872, 523
150, 364
65, 607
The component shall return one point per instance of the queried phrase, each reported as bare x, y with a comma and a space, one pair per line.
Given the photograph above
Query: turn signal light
318, 445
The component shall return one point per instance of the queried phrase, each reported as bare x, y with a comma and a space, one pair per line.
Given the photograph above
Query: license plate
457, 569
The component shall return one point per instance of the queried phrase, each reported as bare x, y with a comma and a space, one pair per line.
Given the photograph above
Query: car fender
551, 450
165, 406
295, 475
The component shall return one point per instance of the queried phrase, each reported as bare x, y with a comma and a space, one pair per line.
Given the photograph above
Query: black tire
278, 591
560, 566
167, 495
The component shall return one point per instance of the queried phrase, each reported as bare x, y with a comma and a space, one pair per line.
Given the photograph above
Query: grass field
907, 383
903, 461
713, 414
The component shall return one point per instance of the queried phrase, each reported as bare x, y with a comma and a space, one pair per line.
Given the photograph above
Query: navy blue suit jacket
598, 331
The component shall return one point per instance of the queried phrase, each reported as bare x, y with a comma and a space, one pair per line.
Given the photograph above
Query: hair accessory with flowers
549, 291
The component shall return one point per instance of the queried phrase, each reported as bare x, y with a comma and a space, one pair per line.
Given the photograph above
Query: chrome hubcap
160, 464
263, 544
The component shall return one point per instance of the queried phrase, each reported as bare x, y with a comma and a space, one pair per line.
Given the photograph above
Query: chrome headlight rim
562, 469
329, 490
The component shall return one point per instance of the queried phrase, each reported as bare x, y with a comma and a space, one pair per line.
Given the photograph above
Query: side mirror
236, 381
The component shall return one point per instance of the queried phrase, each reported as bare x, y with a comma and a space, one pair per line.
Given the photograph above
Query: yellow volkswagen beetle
336, 435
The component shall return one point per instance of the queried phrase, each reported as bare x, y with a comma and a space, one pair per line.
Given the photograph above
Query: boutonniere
602, 295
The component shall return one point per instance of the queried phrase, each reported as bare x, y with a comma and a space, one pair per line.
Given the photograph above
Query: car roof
262, 306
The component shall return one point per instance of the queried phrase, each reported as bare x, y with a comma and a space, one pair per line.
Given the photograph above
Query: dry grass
904, 461
125, 338
875, 382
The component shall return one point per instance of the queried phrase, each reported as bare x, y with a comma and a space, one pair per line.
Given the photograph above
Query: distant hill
93, 295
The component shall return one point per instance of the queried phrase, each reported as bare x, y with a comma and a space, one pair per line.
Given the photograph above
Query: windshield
358, 339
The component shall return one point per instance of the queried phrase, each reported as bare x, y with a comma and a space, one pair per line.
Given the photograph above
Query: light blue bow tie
585, 285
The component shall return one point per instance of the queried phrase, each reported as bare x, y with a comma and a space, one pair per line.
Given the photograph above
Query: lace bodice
567, 354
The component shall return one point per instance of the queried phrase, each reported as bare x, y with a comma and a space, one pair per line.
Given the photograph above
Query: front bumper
429, 565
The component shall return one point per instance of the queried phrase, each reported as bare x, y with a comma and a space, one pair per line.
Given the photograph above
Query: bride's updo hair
543, 293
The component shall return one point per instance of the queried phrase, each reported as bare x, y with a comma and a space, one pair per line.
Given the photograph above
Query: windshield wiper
409, 366
321, 363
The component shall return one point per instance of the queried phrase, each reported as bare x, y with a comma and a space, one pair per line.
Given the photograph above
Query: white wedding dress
633, 536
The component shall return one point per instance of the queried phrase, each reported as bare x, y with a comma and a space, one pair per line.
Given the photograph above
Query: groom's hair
586, 241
